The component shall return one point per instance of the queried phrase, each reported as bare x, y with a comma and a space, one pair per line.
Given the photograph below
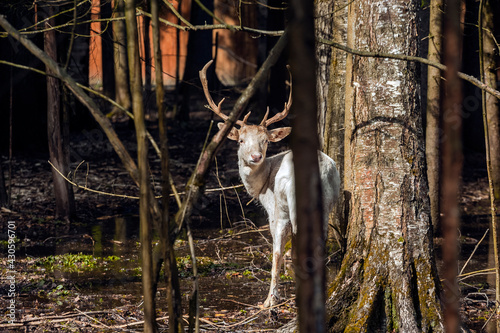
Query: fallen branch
40, 320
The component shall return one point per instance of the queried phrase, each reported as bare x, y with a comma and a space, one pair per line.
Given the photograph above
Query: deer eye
240, 141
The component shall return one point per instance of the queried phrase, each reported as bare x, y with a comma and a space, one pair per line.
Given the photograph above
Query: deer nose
256, 157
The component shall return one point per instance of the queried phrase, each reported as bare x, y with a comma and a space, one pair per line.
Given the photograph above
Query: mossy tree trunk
388, 279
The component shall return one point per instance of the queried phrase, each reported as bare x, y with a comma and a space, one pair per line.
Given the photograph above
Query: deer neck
255, 177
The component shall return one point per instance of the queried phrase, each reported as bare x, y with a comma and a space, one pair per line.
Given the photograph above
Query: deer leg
280, 237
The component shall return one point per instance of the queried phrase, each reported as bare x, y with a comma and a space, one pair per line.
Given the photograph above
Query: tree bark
65, 204
333, 144
432, 135
388, 279
309, 265
324, 18
120, 58
142, 158
490, 60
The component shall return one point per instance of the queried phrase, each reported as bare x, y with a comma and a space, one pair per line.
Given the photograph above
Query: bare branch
405, 57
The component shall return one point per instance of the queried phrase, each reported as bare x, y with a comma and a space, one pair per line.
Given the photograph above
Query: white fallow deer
271, 179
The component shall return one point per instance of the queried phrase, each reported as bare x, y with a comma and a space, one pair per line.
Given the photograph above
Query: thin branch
404, 57
86, 188
177, 14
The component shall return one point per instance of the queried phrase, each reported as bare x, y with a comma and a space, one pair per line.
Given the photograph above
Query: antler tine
279, 116
244, 121
263, 122
215, 108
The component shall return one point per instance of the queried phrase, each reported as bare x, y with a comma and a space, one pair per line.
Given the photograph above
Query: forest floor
84, 275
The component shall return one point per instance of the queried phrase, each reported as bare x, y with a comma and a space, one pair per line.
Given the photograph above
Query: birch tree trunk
388, 279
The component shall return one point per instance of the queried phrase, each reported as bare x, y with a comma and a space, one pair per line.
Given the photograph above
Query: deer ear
278, 134
234, 134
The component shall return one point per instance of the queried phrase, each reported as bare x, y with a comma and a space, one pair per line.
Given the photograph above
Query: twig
90, 189
474, 251
475, 273
177, 14
91, 318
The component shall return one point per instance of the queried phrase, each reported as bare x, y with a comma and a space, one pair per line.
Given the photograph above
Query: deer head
252, 139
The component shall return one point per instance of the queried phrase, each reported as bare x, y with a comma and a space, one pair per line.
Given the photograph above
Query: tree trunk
170, 268
433, 109
142, 159
309, 265
491, 118
388, 279
333, 142
451, 162
65, 204
146, 22
120, 58
324, 18
490, 61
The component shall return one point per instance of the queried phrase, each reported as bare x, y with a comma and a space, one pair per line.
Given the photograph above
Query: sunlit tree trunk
388, 279
433, 99
324, 13
142, 158
65, 205
491, 117
333, 144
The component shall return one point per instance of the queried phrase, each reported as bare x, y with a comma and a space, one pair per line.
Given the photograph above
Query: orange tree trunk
388, 279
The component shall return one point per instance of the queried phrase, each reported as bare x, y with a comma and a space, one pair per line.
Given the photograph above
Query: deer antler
216, 108
279, 116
